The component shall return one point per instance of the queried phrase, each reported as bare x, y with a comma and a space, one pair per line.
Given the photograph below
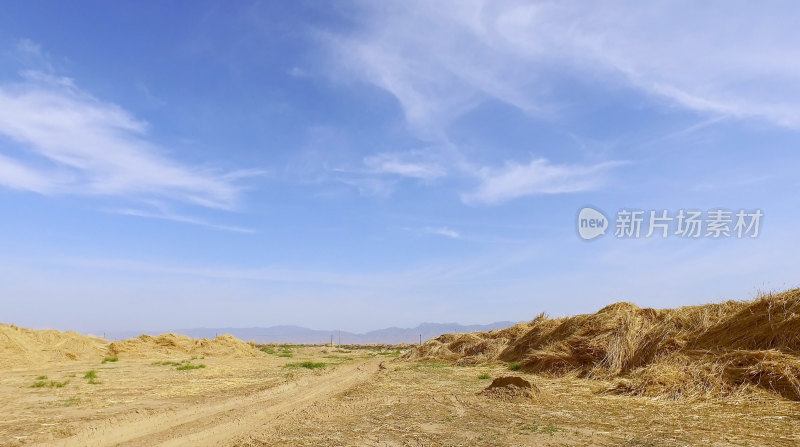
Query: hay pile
20, 347
470, 348
174, 345
510, 388
688, 352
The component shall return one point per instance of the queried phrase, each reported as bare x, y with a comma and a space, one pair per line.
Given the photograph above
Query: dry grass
401, 404
406, 405
726, 349
171, 345
20, 347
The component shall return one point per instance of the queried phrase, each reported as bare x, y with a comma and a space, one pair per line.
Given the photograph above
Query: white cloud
164, 214
429, 57
18, 176
514, 180
367, 186
440, 59
31, 54
443, 231
411, 164
66, 141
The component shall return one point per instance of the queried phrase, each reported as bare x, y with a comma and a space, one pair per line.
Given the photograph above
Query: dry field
360, 397
720, 374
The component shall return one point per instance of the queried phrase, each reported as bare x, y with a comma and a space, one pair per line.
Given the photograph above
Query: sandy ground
360, 398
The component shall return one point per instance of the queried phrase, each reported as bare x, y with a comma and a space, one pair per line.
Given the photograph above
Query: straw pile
470, 348
510, 388
20, 347
690, 352
173, 345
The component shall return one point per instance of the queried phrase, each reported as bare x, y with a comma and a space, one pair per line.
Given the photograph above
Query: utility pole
331, 340
420, 338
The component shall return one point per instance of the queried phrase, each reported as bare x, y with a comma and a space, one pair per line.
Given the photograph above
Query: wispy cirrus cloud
443, 231
30, 54
540, 176
443, 60
165, 214
432, 61
16, 175
417, 165
440, 60
59, 139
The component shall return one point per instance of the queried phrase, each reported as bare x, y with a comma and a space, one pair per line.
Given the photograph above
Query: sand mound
20, 347
174, 345
695, 351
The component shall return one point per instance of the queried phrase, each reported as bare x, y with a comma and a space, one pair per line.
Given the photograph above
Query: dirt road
222, 422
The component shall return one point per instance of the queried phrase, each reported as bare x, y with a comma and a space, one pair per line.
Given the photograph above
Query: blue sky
356, 165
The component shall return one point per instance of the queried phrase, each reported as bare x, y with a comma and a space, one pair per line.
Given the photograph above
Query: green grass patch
189, 366
110, 360
485, 376
395, 353
92, 376
49, 384
280, 351
169, 363
515, 366
183, 365
306, 365
41, 378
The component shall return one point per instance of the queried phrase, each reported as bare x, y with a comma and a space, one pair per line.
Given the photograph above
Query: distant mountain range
297, 334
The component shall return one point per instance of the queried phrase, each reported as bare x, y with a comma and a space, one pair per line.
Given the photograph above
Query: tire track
216, 423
